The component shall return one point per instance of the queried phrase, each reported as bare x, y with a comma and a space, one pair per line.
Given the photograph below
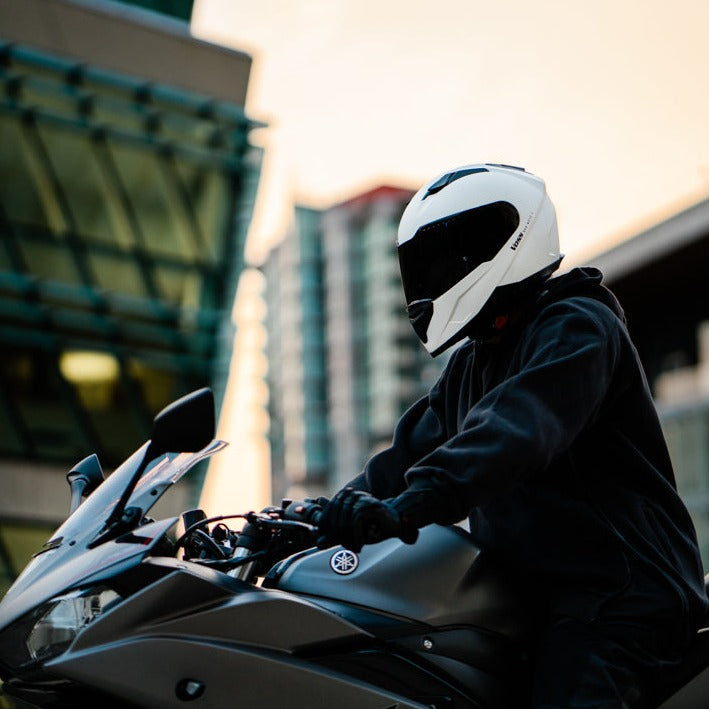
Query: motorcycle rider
543, 432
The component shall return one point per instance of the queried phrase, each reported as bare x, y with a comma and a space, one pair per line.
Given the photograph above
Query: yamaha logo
344, 562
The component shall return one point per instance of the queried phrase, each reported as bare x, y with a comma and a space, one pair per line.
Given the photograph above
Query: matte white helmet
476, 236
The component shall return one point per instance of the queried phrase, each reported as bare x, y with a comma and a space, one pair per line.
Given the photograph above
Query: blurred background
206, 193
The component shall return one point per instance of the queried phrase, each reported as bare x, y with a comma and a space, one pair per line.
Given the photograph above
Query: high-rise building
126, 186
295, 300
376, 366
344, 362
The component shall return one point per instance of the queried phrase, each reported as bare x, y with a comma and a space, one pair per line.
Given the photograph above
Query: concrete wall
127, 40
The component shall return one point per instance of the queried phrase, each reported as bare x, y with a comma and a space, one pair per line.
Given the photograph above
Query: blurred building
660, 279
344, 362
299, 433
126, 187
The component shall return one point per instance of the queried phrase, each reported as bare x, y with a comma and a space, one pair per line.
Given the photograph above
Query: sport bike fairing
66, 558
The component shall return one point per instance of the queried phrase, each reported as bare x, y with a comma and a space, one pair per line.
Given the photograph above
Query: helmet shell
531, 248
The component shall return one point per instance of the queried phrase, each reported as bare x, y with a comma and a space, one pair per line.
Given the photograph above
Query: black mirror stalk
83, 479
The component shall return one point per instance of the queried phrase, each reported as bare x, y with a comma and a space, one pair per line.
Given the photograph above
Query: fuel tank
443, 579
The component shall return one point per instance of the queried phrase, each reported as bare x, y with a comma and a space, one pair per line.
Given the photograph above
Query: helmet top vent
509, 167
446, 179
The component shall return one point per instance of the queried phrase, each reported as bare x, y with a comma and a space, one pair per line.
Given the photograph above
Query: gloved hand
354, 518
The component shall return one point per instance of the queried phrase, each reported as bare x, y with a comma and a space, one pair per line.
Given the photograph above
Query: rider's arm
565, 368
420, 430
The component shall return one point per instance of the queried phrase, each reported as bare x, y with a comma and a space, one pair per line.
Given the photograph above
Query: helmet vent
507, 167
444, 181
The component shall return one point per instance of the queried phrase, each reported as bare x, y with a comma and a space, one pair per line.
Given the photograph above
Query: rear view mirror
185, 426
83, 479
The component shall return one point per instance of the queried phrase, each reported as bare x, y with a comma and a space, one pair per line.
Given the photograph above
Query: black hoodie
548, 439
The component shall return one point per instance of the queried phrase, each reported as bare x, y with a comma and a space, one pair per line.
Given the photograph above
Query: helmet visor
442, 253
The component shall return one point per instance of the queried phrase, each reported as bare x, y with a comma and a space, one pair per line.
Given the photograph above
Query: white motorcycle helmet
471, 242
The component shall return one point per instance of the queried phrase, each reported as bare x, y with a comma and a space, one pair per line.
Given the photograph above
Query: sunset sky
607, 100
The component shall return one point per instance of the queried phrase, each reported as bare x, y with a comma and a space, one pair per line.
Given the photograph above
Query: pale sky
607, 100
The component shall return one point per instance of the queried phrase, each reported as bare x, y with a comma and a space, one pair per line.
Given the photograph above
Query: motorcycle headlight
58, 627
47, 631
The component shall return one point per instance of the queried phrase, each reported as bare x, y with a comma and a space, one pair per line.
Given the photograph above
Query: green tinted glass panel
45, 91
158, 387
102, 395
112, 111
19, 191
6, 262
178, 286
186, 129
45, 410
84, 184
208, 191
48, 258
118, 429
10, 439
116, 273
155, 203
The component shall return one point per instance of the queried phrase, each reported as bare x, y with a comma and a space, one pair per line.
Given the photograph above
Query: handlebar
309, 512
274, 533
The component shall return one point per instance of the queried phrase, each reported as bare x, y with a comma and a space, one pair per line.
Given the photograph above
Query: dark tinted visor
445, 251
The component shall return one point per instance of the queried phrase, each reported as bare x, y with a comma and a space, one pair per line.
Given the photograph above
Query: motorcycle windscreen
160, 474
71, 540
443, 252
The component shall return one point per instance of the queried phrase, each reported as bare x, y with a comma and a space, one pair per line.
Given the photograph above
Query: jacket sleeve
561, 378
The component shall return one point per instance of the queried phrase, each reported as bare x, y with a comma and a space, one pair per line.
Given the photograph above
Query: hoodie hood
586, 282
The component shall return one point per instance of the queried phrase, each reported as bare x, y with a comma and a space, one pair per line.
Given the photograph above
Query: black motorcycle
116, 610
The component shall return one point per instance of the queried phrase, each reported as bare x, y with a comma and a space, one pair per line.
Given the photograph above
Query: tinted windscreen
445, 251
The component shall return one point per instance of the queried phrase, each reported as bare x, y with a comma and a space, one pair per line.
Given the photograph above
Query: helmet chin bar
504, 300
420, 314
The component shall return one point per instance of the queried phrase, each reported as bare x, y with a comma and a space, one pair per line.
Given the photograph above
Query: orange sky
607, 100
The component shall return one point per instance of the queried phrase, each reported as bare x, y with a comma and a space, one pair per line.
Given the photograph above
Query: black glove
354, 518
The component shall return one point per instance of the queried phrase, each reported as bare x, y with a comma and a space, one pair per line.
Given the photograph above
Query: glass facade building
118, 223
124, 205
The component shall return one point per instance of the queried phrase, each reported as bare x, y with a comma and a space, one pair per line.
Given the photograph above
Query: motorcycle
117, 610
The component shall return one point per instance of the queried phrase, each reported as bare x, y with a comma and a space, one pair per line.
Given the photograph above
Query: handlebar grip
308, 512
